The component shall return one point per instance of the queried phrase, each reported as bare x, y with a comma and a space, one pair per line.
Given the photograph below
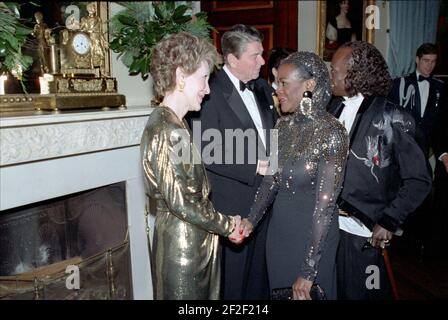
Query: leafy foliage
13, 34
141, 25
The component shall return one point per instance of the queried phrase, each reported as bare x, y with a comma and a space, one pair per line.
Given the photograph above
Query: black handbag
316, 293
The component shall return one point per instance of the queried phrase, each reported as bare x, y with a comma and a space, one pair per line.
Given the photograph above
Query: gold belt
344, 213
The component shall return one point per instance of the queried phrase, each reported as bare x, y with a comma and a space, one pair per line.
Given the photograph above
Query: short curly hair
368, 73
182, 50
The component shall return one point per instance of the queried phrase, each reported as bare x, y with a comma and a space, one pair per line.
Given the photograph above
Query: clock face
81, 43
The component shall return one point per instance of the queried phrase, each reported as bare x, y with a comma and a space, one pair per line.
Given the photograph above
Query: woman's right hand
242, 230
235, 235
246, 228
301, 289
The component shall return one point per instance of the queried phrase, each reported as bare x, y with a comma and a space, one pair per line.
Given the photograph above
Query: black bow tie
423, 78
248, 85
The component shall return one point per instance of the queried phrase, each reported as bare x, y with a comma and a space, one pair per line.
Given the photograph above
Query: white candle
44, 83
48, 77
3, 78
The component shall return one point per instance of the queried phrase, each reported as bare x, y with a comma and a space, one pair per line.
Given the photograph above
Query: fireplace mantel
25, 139
47, 156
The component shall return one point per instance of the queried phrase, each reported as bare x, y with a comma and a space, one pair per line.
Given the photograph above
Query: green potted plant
141, 25
13, 35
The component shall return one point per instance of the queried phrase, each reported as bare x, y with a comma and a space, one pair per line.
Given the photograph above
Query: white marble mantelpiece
32, 138
48, 156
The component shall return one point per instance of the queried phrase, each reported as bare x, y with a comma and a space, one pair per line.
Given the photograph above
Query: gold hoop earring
181, 86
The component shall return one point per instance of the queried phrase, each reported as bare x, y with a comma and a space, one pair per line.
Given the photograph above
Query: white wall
307, 26
137, 91
381, 35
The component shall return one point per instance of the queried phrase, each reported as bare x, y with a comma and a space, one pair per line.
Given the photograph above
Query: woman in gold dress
186, 251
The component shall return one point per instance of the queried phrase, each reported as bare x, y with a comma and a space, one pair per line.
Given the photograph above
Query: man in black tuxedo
385, 177
423, 96
240, 104
439, 225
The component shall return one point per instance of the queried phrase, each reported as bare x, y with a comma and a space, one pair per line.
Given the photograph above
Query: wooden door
277, 20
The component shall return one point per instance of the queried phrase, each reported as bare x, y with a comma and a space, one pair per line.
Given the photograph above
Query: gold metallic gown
186, 252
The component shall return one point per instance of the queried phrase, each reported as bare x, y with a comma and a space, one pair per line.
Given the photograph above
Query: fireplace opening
85, 232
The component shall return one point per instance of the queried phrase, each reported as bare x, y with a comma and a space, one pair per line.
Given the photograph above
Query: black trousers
438, 229
417, 231
361, 273
256, 286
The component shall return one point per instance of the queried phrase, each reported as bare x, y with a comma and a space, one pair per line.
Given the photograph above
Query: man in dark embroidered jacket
386, 176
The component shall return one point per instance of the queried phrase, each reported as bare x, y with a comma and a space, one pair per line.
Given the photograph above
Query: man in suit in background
385, 176
439, 225
239, 102
423, 96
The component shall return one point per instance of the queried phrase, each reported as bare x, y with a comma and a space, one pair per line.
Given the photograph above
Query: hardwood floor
420, 279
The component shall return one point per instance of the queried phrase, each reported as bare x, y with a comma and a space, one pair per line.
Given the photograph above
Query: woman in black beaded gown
303, 230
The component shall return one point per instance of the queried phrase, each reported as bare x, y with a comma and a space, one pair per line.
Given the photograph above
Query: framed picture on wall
340, 22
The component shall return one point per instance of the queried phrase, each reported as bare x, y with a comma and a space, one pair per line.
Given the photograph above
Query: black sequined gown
303, 231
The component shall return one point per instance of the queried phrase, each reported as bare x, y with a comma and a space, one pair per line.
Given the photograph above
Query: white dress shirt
350, 110
423, 88
250, 103
351, 224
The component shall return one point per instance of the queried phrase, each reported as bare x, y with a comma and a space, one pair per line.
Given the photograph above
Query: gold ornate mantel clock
82, 48
78, 64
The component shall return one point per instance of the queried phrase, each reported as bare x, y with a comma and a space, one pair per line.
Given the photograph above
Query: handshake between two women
243, 229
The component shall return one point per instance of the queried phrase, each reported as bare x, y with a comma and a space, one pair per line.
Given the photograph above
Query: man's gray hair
236, 39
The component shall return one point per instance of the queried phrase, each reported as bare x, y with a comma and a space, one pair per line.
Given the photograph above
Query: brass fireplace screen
86, 231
